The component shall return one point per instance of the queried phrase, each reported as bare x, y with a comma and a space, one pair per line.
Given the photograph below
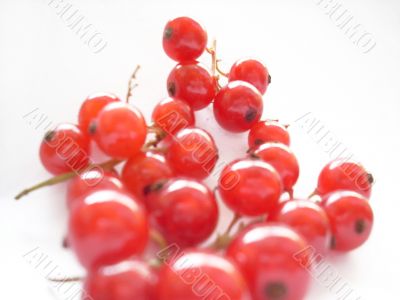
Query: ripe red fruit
91, 107
265, 255
65, 149
251, 71
196, 275
89, 181
192, 153
351, 219
192, 83
142, 171
250, 187
283, 160
238, 106
120, 130
268, 131
108, 227
344, 175
172, 115
127, 280
184, 39
306, 218
185, 211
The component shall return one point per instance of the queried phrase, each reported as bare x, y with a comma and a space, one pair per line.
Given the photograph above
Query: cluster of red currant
159, 195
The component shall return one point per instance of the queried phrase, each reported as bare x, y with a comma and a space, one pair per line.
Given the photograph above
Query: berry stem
157, 237
131, 86
224, 239
68, 279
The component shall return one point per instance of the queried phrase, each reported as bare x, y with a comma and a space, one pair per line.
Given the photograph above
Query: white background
315, 68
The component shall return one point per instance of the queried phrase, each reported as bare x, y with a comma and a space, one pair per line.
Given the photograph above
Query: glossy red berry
185, 211
283, 160
126, 280
65, 149
192, 153
251, 71
351, 219
238, 106
192, 83
88, 182
265, 255
344, 175
308, 219
197, 275
108, 227
184, 39
172, 115
250, 187
91, 107
120, 130
266, 132
143, 170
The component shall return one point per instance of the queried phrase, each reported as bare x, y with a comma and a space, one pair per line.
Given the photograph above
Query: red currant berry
185, 211
265, 255
251, 71
142, 171
127, 280
120, 130
266, 132
172, 115
283, 160
91, 107
88, 182
238, 106
250, 187
192, 83
351, 219
344, 175
65, 149
184, 39
192, 153
199, 275
308, 219
108, 227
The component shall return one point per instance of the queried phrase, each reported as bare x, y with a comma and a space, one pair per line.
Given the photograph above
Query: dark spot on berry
92, 128
250, 114
269, 78
371, 179
333, 243
258, 142
171, 89
168, 33
360, 226
48, 137
275, 291
154, 187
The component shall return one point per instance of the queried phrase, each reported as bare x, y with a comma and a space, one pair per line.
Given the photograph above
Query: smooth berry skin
185, 211
344, 175
88, 182
238, 106
199, 274
120, 130
192, 83
283, 160
268, 132
126, 280
108, 227
306, 218
265, 256
251, 71
184, 39
91, 107
64, 149
250, 187
351, 219
172, 115
192, 153
142, 171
